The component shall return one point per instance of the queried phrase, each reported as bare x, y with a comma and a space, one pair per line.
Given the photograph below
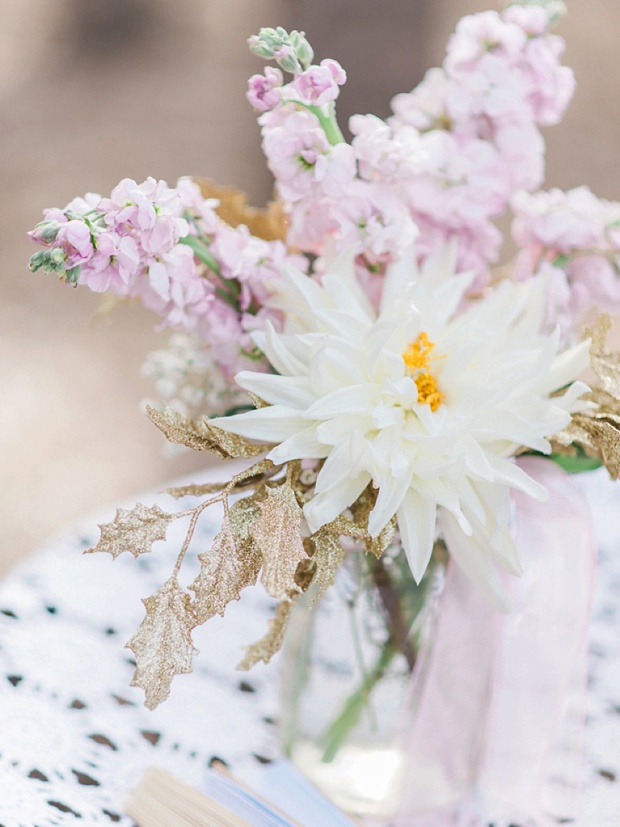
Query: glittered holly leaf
277, 532
133, 530
605, 365
226, 570
201, 436
597, 430
265, 648
163, 643
248, 478
270, 223
328, 556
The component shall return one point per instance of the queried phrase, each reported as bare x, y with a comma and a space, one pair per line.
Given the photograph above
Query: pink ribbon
497, 733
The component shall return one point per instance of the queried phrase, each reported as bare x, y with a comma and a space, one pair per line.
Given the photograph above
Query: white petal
290, 391
272, 424
391, 495
302, 445
416, 523
323, 508
509, 473
358, 399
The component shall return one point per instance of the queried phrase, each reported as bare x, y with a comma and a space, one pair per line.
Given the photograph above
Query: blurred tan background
91, 92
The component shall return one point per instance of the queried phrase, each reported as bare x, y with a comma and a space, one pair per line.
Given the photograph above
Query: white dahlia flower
425, 400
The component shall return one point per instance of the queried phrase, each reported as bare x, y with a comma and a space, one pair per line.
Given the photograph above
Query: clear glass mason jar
347, 689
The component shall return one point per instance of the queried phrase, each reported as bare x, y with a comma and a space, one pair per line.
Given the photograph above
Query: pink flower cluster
167, 247
573, 240
446, 164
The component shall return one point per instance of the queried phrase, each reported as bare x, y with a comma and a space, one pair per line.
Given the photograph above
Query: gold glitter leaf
201, 436
265, 648
277, 532
249, 478
328, 557
270, 224
195, 490
225, 571
597, 430
163, 643
133, 530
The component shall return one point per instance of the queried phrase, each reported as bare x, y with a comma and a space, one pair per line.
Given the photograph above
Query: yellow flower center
417, 356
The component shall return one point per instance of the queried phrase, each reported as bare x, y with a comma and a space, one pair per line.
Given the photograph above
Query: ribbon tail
498, 722
533, 755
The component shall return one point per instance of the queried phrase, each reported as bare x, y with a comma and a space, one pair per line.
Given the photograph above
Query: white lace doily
75, 738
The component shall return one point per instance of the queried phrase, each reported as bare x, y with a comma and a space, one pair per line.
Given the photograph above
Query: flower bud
38, 261
259, 48
292, 51
46, 231
71, 276
303, 49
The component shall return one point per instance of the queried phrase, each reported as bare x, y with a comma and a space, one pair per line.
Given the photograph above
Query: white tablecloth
75, 738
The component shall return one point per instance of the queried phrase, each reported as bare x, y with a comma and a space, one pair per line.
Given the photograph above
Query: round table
75, 738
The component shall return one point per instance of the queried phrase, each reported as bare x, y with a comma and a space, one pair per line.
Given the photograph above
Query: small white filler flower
425, 399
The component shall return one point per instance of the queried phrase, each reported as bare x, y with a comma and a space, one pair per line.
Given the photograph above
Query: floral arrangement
357, 343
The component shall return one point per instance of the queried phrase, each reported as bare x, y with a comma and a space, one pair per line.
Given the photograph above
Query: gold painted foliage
277, 533
163, 642
201, 436
232, 563
270, 223
328, 557
265, 648
133, 530
597, 430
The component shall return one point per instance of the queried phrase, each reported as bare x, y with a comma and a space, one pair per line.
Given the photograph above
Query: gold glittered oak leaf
163, 643
277, 533
134, 530
201, 436
231, 564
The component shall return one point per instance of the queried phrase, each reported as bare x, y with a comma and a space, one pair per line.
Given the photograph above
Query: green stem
354, 706
328, 122
202, 252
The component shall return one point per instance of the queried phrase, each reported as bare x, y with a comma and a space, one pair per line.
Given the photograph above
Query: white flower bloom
425, 401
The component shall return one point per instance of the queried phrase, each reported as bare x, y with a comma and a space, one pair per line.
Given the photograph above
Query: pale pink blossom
264, 90
477, 35
561, 221
425, 106
373, 221
83, 204
302, 159
114, 265
534, 20
465, 180
319, 85
75, 239
386, 152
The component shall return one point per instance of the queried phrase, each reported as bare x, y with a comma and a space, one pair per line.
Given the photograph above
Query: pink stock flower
75, 239
534, 20
561, 221
83, 204
550, 85
140, 206
465, 180
425, 106
373, 221
385, 152
263, 90
477, 35
302, 159
319, 85
522, 148
114, 265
